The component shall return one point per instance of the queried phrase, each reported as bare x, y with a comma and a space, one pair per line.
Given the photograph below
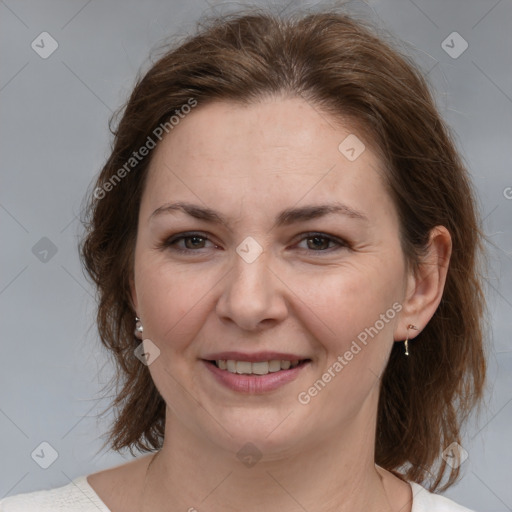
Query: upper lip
253, 358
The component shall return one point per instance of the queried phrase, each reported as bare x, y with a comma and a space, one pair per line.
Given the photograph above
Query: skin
249, 163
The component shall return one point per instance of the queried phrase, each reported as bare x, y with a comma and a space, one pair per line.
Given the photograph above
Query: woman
285, 244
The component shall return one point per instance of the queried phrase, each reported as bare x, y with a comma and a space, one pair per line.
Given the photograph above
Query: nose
253, 295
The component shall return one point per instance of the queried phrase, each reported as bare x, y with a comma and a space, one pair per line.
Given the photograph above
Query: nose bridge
251, 293
251, 265
250, 283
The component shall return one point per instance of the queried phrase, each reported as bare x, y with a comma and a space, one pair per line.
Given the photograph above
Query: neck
192, 474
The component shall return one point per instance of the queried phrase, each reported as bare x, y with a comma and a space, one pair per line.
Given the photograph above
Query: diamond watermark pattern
249, 455
44, 250
45, 455
249, 249
351, 147
454, 45
146, 352
455, 455
44, 45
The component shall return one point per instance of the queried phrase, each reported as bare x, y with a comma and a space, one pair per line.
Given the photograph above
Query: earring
406, 342
139, 329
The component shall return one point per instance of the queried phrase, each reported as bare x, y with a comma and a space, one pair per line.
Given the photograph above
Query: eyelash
170, 242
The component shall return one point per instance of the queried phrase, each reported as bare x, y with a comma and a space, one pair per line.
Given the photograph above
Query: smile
255, 377
255, 368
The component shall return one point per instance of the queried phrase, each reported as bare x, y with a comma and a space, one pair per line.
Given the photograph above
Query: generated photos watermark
137, 156
304, 397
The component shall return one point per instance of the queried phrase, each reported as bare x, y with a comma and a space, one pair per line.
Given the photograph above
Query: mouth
257, 368
263, 374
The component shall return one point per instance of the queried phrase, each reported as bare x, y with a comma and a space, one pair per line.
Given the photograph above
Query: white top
79, 496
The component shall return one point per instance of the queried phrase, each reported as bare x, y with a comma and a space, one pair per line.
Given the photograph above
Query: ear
425, 288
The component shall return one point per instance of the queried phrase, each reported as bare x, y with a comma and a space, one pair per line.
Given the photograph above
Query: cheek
352, 317
349, 299
170, 301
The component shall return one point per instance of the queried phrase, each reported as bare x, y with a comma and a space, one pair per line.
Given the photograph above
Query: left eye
320, 241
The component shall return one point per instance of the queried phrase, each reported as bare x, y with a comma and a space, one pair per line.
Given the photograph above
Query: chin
279, 432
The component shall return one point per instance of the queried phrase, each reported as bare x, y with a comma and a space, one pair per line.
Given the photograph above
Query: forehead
298, 127
280, 150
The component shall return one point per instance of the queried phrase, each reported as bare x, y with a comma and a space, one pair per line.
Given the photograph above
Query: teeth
274, 366
243, 367
259, 368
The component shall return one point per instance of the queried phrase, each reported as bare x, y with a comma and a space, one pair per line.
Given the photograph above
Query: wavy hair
342, 67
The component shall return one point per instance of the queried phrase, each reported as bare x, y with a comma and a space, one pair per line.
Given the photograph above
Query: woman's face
267, 274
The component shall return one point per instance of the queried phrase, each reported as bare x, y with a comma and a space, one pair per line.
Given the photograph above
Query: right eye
193, 241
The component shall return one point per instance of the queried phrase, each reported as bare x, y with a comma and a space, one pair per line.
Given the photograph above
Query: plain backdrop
54, 139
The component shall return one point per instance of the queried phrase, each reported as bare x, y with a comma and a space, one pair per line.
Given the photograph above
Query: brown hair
339, 65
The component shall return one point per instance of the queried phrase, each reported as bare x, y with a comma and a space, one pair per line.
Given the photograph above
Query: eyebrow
285, 218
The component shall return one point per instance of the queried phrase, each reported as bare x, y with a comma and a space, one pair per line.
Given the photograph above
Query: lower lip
255, 383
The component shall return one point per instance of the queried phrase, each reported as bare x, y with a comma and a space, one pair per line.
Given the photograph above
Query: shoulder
425, 501
75, 496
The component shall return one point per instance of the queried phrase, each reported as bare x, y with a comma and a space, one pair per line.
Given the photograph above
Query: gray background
54, 139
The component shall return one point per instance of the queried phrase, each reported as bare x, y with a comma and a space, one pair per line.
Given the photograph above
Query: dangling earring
406, 342
139, 329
